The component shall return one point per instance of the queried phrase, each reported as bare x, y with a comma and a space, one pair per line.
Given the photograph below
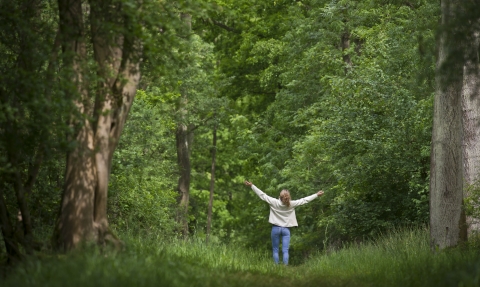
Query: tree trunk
184, 139
25, 229
447, 226
119, 74
11, 245
212, 182
75, 222
83, 214
345, 45
471, 125
183, 159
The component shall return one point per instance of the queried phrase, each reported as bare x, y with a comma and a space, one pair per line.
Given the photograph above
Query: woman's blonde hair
285, 197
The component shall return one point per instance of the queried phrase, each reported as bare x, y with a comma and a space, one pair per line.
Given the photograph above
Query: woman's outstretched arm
307, 199
263, 196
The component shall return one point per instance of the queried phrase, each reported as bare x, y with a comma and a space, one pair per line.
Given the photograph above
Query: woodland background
303, 95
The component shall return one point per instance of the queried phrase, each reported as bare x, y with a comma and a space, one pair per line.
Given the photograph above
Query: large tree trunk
83, 214
447, 220
471, 124
75, 222
119, 74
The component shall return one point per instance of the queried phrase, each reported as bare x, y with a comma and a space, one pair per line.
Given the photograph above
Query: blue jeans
278, 232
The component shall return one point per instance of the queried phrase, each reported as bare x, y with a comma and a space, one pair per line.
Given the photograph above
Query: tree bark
184, 140
212, 183
75, 222
119, 74
447, 223
183, 159
471, 124
83, 214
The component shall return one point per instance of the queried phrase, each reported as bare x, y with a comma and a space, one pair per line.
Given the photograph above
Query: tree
97, 128
184, 139
447, 217
471, 129
212, 182
31, 113
363, 135
142, 196
191, 102
470, 32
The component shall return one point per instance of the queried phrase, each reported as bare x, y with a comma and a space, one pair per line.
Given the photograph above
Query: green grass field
401, 258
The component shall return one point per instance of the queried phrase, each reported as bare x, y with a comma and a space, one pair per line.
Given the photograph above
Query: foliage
36, 93
361, 131
293, 109
141, 197
33, 113
472, 201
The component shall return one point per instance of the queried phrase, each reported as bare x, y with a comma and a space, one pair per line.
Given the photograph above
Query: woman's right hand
247, 183
320, 193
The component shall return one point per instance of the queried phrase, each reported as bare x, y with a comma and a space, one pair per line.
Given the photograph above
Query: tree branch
33, 171
407, 3
201, 124
221, 25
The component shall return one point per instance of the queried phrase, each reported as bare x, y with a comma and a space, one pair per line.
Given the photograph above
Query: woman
282, 217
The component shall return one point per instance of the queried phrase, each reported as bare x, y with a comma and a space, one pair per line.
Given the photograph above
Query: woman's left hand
247, 183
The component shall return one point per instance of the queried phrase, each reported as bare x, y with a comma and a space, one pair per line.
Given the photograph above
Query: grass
401, 258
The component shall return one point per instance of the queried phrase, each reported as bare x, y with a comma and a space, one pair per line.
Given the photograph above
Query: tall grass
401, 258
214, 256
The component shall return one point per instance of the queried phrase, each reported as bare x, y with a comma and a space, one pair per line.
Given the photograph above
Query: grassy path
400, 259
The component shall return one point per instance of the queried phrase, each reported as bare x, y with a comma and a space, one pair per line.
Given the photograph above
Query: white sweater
280, 214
